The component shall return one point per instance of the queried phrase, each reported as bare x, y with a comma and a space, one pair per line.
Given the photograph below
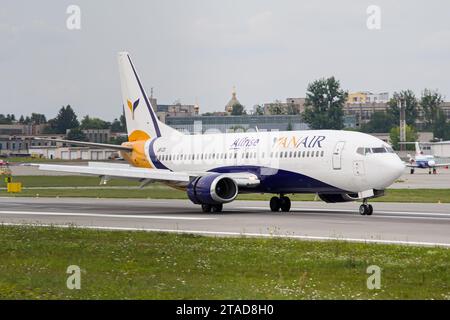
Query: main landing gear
212, 208
365, 209
282, 203
434, 171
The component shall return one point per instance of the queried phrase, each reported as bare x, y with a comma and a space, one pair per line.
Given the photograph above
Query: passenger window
321, 153
317, 153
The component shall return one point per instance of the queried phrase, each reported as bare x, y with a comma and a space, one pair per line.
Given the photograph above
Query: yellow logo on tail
132, 106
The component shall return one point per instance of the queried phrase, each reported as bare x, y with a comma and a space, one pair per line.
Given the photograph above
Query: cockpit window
379, 150
361, 151
364, 151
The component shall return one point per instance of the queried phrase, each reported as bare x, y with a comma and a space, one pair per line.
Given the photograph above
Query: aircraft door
337, 155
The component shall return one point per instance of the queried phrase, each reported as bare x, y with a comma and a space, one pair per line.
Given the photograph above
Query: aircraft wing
410, 165
125, 171
437, 165
442, 165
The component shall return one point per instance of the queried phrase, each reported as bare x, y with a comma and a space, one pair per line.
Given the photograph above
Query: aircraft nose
396, 168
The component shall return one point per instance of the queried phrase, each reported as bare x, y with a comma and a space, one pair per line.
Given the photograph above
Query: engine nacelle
431, 163
214, 188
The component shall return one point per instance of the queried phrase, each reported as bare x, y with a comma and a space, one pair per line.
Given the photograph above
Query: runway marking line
354, 211
80, 214
240, 234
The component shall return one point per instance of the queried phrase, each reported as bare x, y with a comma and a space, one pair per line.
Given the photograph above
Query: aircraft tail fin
141, 119
418, 150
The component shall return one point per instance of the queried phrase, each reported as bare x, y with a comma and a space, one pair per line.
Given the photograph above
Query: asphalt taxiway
399, 223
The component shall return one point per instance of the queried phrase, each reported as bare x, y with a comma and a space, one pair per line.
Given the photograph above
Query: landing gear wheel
370, 210
216, 208
364, 209
275, 204
434, 171
285, 204
206, 208
412, 171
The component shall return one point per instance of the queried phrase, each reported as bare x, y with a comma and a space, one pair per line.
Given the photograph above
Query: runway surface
401, 223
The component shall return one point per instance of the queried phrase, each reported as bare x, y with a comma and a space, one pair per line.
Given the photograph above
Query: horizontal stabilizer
89, 144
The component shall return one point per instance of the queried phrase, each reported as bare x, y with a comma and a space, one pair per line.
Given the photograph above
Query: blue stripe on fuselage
281, 181
422, 164
153, 158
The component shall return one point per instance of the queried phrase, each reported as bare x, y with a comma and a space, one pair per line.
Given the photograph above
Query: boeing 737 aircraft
338, 166
422, 161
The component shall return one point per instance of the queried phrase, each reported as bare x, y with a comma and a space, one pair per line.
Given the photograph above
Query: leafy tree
259, 110
238, 110
324, 103
21, 119
118, 140
66, 119
292, 110
277, 108
380, 122
94, 123
441, 129
411, 111
38, 118
123, 121
76, 134
430, 102
394, 136
116, 126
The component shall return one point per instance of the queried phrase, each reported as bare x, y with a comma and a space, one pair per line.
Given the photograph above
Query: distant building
202, 124
367, 97
98, 135
233, 101
72, 153
291, 106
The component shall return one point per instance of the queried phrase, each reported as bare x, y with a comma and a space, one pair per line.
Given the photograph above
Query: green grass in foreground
161, 191
140, 265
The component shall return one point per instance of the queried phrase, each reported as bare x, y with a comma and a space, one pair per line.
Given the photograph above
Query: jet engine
431, 163
215, 188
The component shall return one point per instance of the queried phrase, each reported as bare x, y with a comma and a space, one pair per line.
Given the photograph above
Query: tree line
66, 122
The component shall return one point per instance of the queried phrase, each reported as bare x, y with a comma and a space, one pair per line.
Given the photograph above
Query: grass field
140, 265
47, 186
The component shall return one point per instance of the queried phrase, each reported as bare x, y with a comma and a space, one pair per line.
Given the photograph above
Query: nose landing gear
365, 209
282, 203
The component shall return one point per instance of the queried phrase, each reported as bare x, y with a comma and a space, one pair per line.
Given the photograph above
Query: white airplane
422, 161
213, 169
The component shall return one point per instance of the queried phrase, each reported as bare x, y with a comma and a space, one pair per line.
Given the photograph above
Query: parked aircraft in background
422, 161
338, 166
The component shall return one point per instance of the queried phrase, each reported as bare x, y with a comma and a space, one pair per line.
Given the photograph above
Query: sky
197, 50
